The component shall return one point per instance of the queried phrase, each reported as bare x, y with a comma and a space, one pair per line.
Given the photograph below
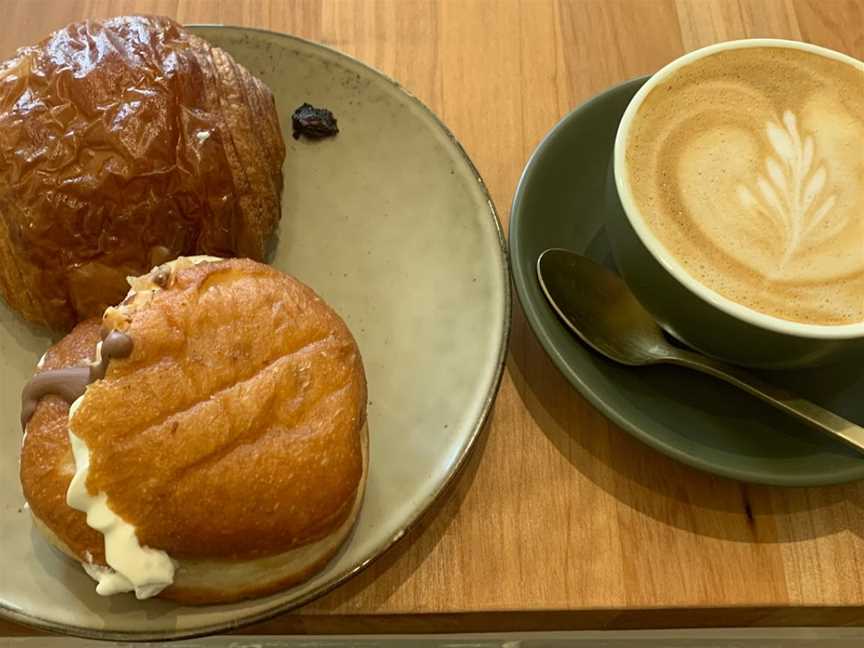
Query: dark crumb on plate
315, 123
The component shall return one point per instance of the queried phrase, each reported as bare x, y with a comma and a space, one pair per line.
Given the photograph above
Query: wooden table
560, 520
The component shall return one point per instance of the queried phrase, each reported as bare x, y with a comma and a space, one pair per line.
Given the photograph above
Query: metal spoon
597, 305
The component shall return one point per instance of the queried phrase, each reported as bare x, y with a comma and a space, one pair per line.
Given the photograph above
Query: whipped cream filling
131, 566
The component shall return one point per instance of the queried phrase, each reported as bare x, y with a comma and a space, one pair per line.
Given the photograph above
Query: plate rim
456, 467
523, 275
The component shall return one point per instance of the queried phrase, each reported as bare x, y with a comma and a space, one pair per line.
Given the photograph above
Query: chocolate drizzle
161, 276
114, 345
70, 382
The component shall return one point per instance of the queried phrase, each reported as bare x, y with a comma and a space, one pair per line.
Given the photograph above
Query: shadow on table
660, 487
388, 573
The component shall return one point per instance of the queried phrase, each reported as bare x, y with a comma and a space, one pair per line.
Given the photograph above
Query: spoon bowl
598, 307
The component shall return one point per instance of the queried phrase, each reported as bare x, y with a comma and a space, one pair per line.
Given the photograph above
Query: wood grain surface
560, 520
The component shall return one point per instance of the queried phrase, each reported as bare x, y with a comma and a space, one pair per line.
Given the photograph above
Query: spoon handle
802, 409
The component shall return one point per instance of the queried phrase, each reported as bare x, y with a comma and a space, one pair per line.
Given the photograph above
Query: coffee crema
748, 166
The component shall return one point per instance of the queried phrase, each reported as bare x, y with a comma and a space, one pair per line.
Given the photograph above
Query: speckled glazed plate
688, 416
391, 224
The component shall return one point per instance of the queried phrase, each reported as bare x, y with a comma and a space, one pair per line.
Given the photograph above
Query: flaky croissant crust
124, 143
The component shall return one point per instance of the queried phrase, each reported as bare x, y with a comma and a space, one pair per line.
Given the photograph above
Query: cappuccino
748, 166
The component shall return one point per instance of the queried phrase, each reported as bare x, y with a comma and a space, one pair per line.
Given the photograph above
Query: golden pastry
223, 452
123, 144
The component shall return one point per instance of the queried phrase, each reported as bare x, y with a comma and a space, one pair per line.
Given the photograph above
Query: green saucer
690, 417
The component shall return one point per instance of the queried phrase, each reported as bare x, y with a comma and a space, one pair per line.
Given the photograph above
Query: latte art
791, 191
748, 166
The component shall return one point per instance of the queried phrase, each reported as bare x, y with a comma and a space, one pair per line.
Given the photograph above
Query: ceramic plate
392, 225
698, 420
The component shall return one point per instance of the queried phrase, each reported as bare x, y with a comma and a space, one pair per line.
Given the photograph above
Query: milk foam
748, 166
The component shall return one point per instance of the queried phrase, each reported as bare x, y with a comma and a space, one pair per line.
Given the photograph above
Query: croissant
125, 143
